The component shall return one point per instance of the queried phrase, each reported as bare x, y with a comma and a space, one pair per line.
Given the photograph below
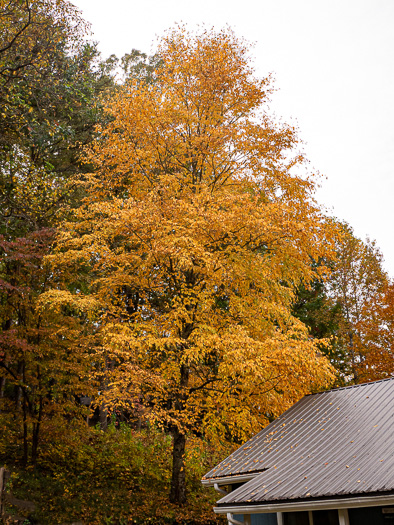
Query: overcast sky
334, 67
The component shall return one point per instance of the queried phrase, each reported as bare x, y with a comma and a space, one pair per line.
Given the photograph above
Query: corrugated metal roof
330, 444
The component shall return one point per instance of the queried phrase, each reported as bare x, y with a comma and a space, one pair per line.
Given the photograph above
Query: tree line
161, 250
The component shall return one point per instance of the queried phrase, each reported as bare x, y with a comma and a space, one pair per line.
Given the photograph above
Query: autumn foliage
362, 290
193, 235
178, 274
40, 43
352, 310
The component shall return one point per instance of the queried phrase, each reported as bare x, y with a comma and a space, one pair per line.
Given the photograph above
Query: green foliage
113, 477
323, 316
50, 88
345, 311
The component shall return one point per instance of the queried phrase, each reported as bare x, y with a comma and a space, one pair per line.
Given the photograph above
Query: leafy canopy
196, 230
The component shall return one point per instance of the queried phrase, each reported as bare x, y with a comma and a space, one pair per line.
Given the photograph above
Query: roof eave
322, 504
229, 480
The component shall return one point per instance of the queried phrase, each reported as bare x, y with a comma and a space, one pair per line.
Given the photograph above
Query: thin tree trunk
2, 486
34, 446
103, 417
2, 386
103, 408
18, 389
353, 358
178, 481
36, 433
25, 434
6, 326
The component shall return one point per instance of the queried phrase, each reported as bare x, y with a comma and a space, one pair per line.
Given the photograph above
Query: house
328, 460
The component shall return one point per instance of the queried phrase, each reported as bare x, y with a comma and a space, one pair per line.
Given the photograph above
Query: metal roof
332, 444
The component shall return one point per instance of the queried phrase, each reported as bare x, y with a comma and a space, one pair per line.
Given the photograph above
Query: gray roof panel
331, 444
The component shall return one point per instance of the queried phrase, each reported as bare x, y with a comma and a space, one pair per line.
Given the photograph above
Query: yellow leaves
361, 287
185, 123
56, 300
191, 241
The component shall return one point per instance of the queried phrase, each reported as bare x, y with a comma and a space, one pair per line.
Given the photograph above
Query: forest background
168, 283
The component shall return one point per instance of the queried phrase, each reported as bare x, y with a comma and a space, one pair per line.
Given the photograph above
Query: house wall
295, 518
371, 516
259, 519
356, 516
322, 517
325, 517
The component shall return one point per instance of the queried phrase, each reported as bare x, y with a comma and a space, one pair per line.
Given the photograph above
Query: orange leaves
212, 72
195, 233
191, 123
362, 290
376, 329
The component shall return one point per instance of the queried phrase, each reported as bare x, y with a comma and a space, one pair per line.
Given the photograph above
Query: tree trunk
25, 435
18, 389
353, 357
6, 326
2, 490
103, 408
178, 481
2, 386
103, 417
36, 433
34, 446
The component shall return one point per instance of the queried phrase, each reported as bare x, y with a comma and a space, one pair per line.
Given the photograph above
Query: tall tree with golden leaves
377, 330
358, 284
194, 234
353, 309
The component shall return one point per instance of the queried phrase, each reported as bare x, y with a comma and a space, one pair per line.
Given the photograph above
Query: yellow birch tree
196, 229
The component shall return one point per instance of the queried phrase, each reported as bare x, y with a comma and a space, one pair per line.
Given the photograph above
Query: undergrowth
121, 476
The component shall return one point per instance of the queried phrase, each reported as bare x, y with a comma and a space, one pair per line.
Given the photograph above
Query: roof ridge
352, 386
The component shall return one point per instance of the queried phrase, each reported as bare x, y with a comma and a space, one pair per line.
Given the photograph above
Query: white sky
334, 66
